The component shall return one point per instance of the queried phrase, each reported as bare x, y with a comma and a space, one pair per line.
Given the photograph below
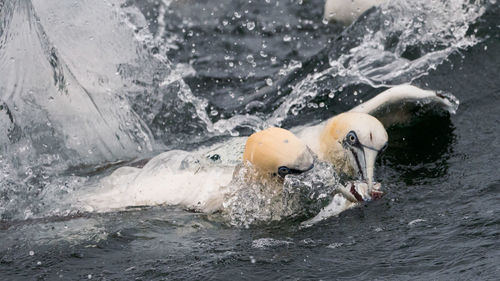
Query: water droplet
225, 22
250, 59
263, 54
287, 38
32, 253
214, 112
269, 81
237, 15
251, 25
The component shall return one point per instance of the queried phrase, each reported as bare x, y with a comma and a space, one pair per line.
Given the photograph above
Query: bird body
199, 180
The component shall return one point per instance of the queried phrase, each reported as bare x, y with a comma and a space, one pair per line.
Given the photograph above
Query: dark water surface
439, 219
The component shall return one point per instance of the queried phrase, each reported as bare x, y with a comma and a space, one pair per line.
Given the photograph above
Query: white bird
199, 180
352, 140
347, 11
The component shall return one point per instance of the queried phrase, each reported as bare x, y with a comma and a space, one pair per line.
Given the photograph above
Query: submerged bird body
199, 180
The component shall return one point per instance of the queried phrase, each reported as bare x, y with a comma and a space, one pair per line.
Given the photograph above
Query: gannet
199, 180
347, 11
352, 140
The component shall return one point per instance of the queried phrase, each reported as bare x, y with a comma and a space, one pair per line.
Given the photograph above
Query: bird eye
351, 137
283, 171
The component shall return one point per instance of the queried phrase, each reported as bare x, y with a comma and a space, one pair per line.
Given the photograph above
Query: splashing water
298, 197
95, 86
80, 89
392, 44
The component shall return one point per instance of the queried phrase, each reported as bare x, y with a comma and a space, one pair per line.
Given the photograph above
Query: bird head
351, 142
276, 151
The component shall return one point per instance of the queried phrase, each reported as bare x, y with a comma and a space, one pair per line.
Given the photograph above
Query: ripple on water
263, 243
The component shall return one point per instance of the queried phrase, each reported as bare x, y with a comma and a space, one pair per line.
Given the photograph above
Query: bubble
251, 25
269, 82
287, 38
32, 253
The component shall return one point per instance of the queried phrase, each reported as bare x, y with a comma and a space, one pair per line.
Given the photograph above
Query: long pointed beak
368, 169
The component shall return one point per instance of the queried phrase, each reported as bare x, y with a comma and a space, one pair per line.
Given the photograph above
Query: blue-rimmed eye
283, 171
351, 137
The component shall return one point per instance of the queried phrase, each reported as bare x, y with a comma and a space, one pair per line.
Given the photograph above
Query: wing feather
400, 104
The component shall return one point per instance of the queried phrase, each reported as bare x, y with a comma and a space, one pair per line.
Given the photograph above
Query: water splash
171, 98
62, 90
73, 94
76, 90
263, 202
393, 44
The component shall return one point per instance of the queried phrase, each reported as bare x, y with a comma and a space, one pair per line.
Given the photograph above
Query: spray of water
95, 86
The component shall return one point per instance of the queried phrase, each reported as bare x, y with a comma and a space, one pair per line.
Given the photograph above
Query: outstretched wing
401, 104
